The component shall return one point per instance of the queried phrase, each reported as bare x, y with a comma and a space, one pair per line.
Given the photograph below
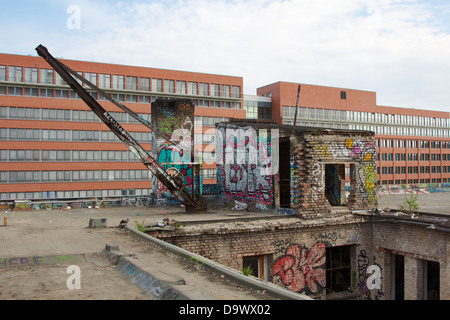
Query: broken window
258, 266
338, 268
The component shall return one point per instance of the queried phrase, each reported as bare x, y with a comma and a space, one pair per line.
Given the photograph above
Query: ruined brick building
326, 238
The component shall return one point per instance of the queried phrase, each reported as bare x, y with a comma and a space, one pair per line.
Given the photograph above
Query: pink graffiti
302, 269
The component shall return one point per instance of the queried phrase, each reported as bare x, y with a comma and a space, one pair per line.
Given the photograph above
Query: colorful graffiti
245, 166
367, 174
366, 281
247, 182
137, 201
364, 152
301, 269
317, 179
174, 119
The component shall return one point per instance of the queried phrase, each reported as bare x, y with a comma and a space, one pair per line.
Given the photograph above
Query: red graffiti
302, 269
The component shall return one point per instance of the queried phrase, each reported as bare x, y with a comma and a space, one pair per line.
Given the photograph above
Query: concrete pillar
413, 279
445, 276
387, 277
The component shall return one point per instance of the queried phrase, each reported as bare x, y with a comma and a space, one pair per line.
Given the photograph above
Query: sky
399, 49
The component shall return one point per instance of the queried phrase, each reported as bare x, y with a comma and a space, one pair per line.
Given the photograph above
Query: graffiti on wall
368, 277
174, 119
318, 182
367, 173
302, 269
246, 164
136, 201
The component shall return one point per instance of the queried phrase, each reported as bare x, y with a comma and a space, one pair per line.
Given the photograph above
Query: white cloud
393, 47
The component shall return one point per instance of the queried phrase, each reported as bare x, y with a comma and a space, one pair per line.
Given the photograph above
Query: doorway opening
398, 277
334, 175
285, 173
432, 280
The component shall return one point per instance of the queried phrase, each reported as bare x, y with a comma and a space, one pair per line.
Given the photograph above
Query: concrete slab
97, 223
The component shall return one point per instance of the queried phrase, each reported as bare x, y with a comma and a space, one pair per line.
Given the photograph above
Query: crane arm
173, 185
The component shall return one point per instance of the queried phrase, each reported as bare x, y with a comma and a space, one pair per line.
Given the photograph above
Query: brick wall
297, 252
280, 239
313, 151
417, 245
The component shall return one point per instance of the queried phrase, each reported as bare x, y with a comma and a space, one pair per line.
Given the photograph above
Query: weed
247, 271
410, 204
141, 227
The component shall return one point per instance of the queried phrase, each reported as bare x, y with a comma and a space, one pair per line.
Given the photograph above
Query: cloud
398, 48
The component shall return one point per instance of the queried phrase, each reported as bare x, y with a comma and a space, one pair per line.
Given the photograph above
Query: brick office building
54, 147
413, 146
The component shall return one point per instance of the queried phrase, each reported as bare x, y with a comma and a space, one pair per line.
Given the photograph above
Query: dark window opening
343, 95
258, 266
251, 264
334, 175
432, 280
399, 277
285, 174
338, 269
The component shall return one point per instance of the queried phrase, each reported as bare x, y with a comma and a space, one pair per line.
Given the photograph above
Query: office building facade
413, 146
54, 147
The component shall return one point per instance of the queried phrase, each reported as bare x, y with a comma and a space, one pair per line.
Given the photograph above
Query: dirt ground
438, 202
62, 236
66, 233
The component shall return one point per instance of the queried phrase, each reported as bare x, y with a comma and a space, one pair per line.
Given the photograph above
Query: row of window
67, 155
73, 176
67, 135
377, 129
414, 181
86, 116
413, 144
84, 135
78, 194
414, 157
367, 117
68, 94
121, 82
414, 169
83, 175
64, 115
